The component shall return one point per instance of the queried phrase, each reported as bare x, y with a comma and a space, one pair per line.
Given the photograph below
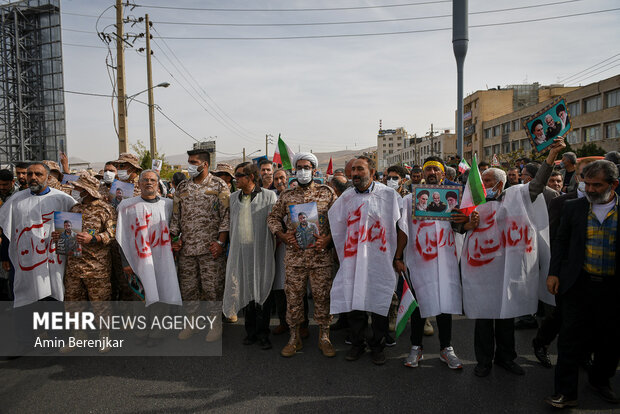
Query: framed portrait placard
68, 225
435, 202
544, 126
305, 219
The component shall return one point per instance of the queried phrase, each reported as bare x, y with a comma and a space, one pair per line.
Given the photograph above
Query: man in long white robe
250, 268
363, 224
27, 221
144, 237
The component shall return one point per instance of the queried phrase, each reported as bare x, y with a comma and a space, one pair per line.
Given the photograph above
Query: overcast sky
323, 94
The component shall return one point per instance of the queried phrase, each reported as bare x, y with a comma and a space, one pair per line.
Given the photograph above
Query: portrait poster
544, 126
435, 202
305, 219
67, 178
68, 225
120, 190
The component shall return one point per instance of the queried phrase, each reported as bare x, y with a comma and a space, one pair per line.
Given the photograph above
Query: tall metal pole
244, 155
120, 79
149, 80
460, 40
18, 77
267, 145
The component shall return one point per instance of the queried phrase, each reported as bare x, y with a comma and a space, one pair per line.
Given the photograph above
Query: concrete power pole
432, 141
149, 79
244, 155
460, 40
120, 79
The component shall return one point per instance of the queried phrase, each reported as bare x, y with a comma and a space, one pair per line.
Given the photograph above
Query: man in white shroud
504, 263
363, 225
144, 238
27, 220
250, 268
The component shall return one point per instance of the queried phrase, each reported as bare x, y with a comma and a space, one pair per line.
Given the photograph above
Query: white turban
305, 156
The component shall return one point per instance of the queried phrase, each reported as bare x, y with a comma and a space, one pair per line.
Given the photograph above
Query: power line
385, 33
293, 10
174, 123
597, 73
360, 21
579, 73
590, 71
78, 45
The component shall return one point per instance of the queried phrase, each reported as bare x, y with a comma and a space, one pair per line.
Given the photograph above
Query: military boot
294, 343
325, 344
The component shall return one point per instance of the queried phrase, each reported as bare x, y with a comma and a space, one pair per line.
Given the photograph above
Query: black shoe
482, 370
560, 401
378, 357
347, 340
526, 322
606, 393
511, 366
249, 340
389, 341
542, 355
265, 343
355, 353
340, 324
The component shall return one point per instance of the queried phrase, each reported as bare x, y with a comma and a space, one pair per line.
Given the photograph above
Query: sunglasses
238, 175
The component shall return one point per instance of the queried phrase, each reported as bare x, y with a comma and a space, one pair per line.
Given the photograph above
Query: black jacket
568, 247
555, 211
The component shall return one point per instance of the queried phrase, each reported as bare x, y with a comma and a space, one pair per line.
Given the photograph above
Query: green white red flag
406, 307
474, 193
463, 166
283, 155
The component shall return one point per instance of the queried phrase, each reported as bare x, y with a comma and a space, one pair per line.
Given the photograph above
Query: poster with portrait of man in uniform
435, 202
305, 219
550, 122
68, 225
120, 190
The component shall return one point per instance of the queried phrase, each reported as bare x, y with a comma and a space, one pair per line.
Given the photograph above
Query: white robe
143, 234
250, 268
27, 221
431, 257
363, 228
505, 261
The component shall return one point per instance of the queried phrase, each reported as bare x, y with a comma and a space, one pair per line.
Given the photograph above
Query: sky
321, 94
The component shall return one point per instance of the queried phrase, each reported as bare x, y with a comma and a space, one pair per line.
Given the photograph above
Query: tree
146, 161
589, 150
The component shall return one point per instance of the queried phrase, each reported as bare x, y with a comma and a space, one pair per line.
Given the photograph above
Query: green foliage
146, 160
589, 150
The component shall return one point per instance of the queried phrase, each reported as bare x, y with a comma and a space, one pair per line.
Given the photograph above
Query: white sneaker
448, 356
415, 356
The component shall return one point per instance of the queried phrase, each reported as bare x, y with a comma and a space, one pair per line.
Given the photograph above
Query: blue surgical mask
561, 164
492, 193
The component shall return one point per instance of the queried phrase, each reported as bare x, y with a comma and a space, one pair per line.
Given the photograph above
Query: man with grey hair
584, 274
568, 166
450, 173
494, 304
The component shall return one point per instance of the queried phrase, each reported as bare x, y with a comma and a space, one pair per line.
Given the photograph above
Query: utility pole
460, 40
432, 142
149, 80
120, 79
243, 154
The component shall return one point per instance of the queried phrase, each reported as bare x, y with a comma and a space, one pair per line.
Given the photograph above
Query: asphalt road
248, 379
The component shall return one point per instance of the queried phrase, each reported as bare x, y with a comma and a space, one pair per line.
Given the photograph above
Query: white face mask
581, 186
123, 175
76, 195
192, 170
108, 177
304, 176
392, 183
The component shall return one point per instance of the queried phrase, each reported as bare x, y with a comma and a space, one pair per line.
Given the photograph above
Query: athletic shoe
448, 356
415, 356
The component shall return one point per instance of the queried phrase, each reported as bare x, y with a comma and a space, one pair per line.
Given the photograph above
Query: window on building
391, 151
506, 128
613, 98
496, 130
515, 145
592, 133
496, 149
573, 137
506, 148
592, 104
612, 130
527, 145
574, 108
516, 125
398, 144
487, 133
487, 151
390, 145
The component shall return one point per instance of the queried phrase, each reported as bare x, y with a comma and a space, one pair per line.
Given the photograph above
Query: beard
431, 179
35, 187
596, 198
361, 182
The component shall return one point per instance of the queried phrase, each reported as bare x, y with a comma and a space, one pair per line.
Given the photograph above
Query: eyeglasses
239, 175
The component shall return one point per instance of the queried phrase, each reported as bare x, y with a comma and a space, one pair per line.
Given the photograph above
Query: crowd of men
260, 241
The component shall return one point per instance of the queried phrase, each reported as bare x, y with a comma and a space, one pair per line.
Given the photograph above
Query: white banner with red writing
143, 234
28, 221
505, 261
363, 228
431, 257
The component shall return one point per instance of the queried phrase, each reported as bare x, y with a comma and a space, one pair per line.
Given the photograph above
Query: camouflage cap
99, 175
126, 157
224, 168
87, 182
53, 166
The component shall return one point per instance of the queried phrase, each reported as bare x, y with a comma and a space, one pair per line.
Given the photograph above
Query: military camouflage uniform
200, 212
88, 277
310, 263
52, 182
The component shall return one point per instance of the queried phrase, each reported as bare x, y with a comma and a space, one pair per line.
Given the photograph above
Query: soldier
128, 169
200, 216
109, 175
55, 177
315, 263
88, 277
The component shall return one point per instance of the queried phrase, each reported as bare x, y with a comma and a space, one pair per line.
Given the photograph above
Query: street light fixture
131, 97
247, 155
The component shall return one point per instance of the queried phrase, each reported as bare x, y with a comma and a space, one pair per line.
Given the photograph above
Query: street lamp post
251, 153
151, 106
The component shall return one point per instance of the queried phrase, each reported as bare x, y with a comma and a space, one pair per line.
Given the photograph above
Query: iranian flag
474, 193
283, 155
463, 166
406, 307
